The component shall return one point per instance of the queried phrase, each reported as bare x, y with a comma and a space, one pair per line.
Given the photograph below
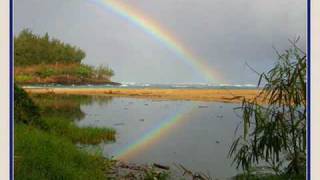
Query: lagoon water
197, 135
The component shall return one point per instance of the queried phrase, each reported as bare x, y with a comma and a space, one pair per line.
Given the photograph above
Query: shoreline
218, 95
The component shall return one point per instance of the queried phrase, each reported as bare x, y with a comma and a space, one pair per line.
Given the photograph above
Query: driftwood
161, 166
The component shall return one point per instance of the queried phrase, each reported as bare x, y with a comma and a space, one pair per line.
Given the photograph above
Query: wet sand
219, 95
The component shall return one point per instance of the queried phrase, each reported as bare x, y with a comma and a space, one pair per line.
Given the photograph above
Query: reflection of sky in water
199, 141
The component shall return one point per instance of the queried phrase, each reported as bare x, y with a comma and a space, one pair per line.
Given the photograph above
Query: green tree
104, 72
275, 133
31, 49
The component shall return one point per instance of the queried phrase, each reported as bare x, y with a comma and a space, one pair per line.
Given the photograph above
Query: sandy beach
219, 95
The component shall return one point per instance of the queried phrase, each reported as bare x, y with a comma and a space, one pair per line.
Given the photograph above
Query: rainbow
157, 31
153, 135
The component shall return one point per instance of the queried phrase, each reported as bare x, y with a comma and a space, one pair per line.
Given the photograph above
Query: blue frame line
11, 96
308, 89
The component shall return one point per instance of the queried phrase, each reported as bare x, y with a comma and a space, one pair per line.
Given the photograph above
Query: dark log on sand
161, 166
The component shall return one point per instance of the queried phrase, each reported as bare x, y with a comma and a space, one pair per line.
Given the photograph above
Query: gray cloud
225, 34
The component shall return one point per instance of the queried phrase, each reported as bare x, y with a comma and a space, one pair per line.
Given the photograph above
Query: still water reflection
195, 134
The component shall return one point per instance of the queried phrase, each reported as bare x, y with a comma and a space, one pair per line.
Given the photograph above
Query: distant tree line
31, 49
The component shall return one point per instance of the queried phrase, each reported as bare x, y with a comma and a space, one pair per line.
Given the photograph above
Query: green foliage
267, 177
49, 60
40, 155
30, 49
22, 78
45, 143
25, 111
103, 72
85, 71
152, 174
86, 135
275, 133
61, 74
46, 72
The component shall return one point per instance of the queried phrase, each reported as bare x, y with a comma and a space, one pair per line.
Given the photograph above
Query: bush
103, 72
25, 111
85, 71
46, 72
22, 78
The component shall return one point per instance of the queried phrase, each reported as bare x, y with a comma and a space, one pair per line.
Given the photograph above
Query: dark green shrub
22, 78
85, 71
25, 111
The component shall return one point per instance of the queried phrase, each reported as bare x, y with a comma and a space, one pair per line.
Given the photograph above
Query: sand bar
220, 95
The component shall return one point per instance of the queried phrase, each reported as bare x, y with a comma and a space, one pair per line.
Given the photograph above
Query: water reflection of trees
67, 106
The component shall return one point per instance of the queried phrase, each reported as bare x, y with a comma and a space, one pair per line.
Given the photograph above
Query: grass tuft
41, 155
84, 135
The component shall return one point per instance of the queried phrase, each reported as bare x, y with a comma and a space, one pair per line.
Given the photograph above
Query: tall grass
41, 155
85, 135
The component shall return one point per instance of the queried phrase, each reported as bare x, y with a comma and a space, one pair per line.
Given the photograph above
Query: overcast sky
224, 33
